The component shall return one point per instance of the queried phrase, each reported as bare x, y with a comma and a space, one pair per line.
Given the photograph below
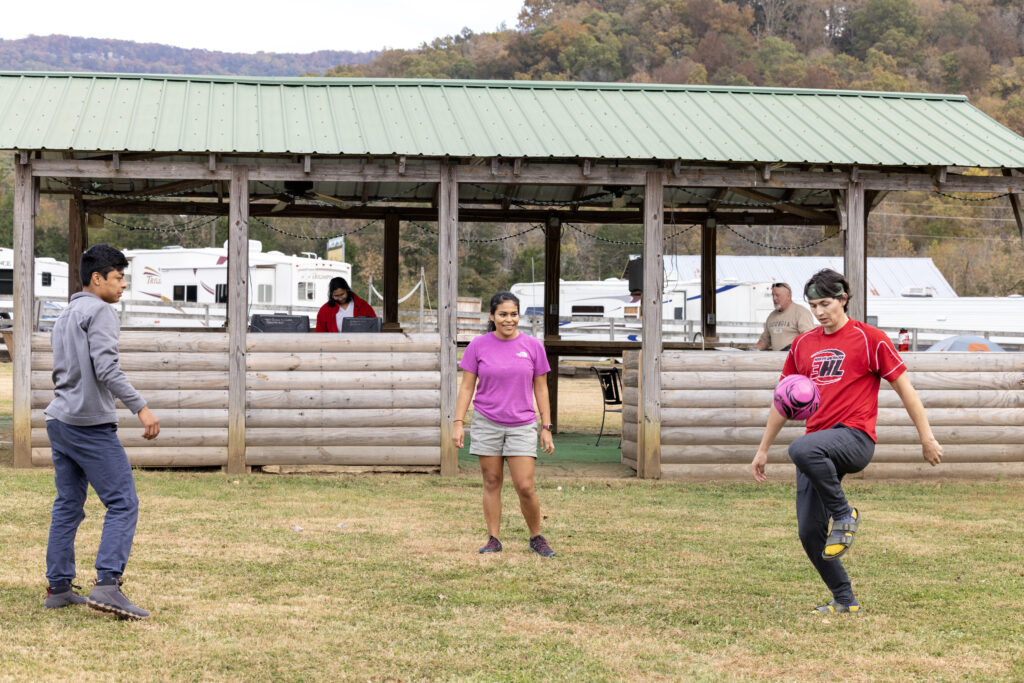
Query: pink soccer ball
797, 397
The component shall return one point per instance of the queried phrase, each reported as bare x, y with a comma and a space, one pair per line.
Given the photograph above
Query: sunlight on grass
377, 577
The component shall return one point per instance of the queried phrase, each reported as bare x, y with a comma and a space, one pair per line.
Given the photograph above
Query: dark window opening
186, 293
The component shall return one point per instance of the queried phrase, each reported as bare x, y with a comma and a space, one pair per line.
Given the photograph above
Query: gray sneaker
109, 598
64, 598
539, 545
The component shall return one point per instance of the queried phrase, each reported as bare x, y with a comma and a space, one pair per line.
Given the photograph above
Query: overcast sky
255, 25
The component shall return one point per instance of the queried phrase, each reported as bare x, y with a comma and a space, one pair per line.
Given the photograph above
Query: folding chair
611, 392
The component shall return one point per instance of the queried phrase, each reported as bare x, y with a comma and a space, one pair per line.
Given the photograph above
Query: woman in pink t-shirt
511, 369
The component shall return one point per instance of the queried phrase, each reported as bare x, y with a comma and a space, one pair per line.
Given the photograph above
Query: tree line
69, 53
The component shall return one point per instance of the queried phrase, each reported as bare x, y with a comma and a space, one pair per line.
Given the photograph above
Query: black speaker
278, 322
360, 324
635, 275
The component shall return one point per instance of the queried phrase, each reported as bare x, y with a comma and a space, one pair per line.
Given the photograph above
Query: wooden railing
329, 399
714, 406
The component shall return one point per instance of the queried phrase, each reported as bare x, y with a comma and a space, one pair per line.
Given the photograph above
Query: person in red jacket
847, 360
344, 303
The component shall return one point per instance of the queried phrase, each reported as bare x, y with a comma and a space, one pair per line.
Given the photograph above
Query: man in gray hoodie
81, 423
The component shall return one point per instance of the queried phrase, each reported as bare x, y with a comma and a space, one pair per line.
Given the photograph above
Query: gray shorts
490, 438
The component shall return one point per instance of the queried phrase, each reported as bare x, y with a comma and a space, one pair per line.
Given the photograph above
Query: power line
952, 218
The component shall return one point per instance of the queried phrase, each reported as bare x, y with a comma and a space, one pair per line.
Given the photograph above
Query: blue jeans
83, 456
822, 459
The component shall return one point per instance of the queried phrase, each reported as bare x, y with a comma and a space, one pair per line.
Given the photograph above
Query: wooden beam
78, 242
168, 188
1015, 205
447, 299
538, 173
391, 238
855, 249
708, 278
423, 213
238, 319
823, 218
649, 458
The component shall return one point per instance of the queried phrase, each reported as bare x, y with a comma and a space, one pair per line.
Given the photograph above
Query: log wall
325, 399
714, 406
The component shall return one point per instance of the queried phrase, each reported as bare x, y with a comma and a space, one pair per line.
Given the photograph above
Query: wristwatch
547, 427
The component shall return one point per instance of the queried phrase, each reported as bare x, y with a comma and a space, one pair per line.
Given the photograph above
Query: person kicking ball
81, 423
847, 360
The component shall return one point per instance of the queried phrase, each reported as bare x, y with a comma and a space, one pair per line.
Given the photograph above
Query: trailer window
186, 293
588, 310
6, 281
47, 279
220, 296
306, 291
631, 312
265, 294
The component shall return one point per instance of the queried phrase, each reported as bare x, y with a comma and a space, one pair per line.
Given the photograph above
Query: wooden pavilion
442, 151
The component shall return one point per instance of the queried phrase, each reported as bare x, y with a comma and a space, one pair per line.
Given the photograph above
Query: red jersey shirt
848, 366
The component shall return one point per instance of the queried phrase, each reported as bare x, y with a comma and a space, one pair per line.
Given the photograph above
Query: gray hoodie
86, 373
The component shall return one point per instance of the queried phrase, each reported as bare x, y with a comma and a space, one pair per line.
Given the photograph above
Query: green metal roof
436, 118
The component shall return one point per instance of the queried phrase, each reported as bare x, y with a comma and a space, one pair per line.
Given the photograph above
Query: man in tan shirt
784, 323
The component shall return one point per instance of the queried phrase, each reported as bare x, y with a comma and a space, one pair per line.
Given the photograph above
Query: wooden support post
447, 299
855, 250
78, 242
390, 322
552, 276
552, 381
25, 189
708, 279
238, 319
1015, 206
648, 461
552, 302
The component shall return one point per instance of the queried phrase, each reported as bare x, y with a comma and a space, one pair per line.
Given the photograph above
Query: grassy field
376, 577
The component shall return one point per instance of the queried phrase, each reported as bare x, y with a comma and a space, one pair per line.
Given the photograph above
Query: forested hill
66, 53
974, 47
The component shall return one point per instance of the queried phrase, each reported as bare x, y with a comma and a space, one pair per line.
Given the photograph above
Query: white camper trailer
51, 288
589, 304
196, 278
51, 275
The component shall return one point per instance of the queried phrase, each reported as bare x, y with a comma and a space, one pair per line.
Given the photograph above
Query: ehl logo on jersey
827, 366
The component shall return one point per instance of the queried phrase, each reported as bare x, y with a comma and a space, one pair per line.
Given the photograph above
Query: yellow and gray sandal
840, 538
834, 607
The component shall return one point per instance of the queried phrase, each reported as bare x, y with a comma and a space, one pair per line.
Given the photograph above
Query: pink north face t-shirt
505, 370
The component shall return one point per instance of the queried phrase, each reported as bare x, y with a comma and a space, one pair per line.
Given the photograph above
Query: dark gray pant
822, 459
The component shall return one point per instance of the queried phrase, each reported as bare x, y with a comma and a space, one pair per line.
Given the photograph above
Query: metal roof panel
199, 114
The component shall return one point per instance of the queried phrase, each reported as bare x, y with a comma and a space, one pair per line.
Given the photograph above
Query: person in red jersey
847, 360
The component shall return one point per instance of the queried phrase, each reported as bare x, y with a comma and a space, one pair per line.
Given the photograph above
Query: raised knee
797, 453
